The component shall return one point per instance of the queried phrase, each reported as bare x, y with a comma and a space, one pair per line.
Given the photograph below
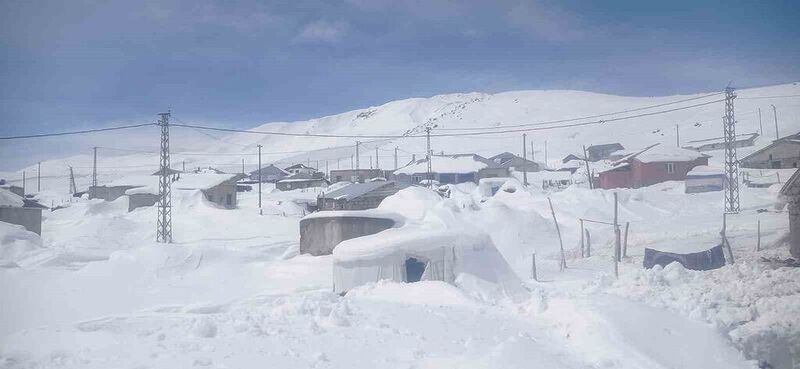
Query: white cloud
323, 32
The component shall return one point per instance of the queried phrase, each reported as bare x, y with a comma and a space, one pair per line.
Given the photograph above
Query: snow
96, 291
201, 181
444, 164
705, 170
8, 198
662, 153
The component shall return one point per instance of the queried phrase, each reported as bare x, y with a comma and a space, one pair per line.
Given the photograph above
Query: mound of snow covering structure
16, 243
415, 253
8, 198
411, 202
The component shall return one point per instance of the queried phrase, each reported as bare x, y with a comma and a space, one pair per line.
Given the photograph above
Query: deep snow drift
96, 291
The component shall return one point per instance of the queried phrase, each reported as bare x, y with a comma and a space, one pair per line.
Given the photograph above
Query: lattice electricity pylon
164, 222
731, 163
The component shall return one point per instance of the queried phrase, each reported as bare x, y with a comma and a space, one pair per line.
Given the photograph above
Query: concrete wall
30, 218
108, 193
318, 236
783, 154
223, 195
139, 200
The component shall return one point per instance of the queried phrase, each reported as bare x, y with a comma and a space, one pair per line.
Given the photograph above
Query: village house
781, 153
601, 152
268, 174
652, 165
791, 193
359, 196
300, 169
300, 181
217, 188
16, 210
570, 158
356, 175
718, 143
450, 169
510, 161
18, 190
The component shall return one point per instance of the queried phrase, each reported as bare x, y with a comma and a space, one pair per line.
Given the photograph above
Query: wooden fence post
563, 264
616, 237
533, 267
588, 244
583, 247
625, 241
758, 242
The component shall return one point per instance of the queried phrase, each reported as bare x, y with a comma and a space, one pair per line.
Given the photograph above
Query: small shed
359, 196
703, 178
320, 232
517, 163
217, 188
791, 193
412, 254
13, 210
301, 181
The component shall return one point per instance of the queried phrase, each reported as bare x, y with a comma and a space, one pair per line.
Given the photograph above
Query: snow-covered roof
444, 164
407, 240
355, 190
134, 180
705, 170
202, 181
8, 198
664, 153
398, 219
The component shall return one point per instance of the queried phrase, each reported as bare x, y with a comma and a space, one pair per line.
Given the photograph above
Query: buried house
654, 164
358, 196
414, 253
217, 188
322, 231
15, 209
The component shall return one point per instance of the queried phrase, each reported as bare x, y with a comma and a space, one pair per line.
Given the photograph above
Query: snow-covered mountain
449, 112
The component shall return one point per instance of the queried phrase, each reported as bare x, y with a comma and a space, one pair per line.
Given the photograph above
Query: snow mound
7, 198
412, 202
435, 293
16, 243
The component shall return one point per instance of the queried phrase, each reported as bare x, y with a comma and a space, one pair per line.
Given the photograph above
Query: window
670, 168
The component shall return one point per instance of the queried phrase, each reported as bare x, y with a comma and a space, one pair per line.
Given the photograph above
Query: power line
601, 121
583, 118
76, 132
767, 97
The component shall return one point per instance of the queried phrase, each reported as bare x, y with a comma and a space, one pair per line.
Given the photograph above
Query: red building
653, 165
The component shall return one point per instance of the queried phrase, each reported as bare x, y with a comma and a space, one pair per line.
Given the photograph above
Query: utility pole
327, 172
351, 162
259, 179
94, 169
588, 173
39, 178
545, 154
357, 154
377, 162
428, 154
164, 222
395, 157
242, 165
370, 162
23, 184
677, 136
72, 187
731, 166
775, 114
533, 156
183, 165
760, 127
524, 160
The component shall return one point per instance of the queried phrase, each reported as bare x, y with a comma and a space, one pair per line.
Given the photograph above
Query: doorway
414, 270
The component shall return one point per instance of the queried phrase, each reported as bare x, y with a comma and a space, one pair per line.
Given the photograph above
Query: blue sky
85, 63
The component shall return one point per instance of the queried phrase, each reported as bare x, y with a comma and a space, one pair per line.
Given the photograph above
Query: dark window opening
414, 270
229, 200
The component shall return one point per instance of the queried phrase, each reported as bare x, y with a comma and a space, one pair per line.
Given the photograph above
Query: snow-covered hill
446, 112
